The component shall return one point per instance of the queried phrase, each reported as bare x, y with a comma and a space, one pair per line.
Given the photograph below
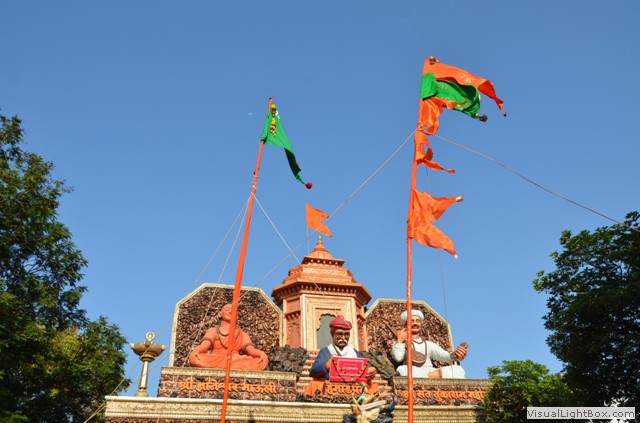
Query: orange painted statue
213, 350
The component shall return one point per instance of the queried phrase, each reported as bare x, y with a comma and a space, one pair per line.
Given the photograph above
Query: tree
594, 313
517, 385
56, 365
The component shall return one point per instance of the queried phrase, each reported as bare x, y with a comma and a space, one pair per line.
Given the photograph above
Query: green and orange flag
274, 134
454, 88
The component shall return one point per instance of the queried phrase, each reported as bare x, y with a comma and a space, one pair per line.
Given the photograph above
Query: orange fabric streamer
429, 111
423, 210
314, 220
422, 157
431, 236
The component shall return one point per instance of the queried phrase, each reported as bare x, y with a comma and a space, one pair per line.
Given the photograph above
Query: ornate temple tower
314, 293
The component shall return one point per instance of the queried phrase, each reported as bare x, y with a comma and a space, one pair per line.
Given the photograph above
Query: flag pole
409, 342
238, 284
409, 307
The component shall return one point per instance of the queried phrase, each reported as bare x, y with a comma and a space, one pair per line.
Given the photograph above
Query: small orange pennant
314, 220
423, 211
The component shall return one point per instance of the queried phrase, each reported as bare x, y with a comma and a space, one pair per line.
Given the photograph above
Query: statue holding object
424, 351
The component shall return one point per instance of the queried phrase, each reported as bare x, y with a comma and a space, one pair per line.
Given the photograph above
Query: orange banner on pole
424, 210
314, 220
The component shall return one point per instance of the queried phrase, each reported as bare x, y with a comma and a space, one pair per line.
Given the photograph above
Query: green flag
273, 134
466, 96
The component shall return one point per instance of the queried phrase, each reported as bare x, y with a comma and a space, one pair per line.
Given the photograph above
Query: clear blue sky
152, 111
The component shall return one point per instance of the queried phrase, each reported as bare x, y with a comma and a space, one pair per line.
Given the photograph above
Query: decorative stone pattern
381, 362
193, 395
243, 385
258, 316
287, 359
385, 315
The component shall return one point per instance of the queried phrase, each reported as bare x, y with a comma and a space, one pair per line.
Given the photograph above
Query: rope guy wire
520, 175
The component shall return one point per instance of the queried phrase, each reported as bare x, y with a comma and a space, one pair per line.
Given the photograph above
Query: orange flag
314, 220
423, 211
429, 111
431, 236
420, 141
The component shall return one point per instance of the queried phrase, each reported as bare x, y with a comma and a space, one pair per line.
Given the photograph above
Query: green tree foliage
517, 385
594, 313
56, 365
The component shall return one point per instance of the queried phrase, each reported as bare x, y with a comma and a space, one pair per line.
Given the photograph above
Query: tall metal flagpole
238, 285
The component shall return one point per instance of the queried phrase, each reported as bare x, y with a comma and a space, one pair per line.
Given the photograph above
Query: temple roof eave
321, 287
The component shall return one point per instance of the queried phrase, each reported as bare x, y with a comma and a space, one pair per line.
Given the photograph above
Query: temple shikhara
319, 310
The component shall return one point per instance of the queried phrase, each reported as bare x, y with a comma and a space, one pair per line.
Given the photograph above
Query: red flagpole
238, 284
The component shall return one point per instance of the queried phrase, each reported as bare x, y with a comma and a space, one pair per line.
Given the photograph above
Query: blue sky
152, 112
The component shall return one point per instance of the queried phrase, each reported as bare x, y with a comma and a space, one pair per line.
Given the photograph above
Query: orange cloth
314, 220
451, 73
429, 111
423, 210
422, 157
212, 352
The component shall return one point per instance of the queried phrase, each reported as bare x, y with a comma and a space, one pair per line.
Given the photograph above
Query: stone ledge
165, 410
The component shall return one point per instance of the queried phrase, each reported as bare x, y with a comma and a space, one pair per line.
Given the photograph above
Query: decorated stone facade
194, 314
288, 329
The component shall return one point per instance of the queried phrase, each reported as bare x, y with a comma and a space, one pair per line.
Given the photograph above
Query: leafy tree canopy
594, 312
56, 365
517, 385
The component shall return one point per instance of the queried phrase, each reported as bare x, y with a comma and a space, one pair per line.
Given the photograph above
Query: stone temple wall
258, 316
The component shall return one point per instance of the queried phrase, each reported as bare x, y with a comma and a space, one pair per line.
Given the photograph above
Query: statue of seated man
340, 333
214, 348
424, 352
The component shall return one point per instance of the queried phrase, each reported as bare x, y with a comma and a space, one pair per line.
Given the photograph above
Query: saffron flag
314, 220
423, 211
431, 236
273, 134
451, 87
422, 157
